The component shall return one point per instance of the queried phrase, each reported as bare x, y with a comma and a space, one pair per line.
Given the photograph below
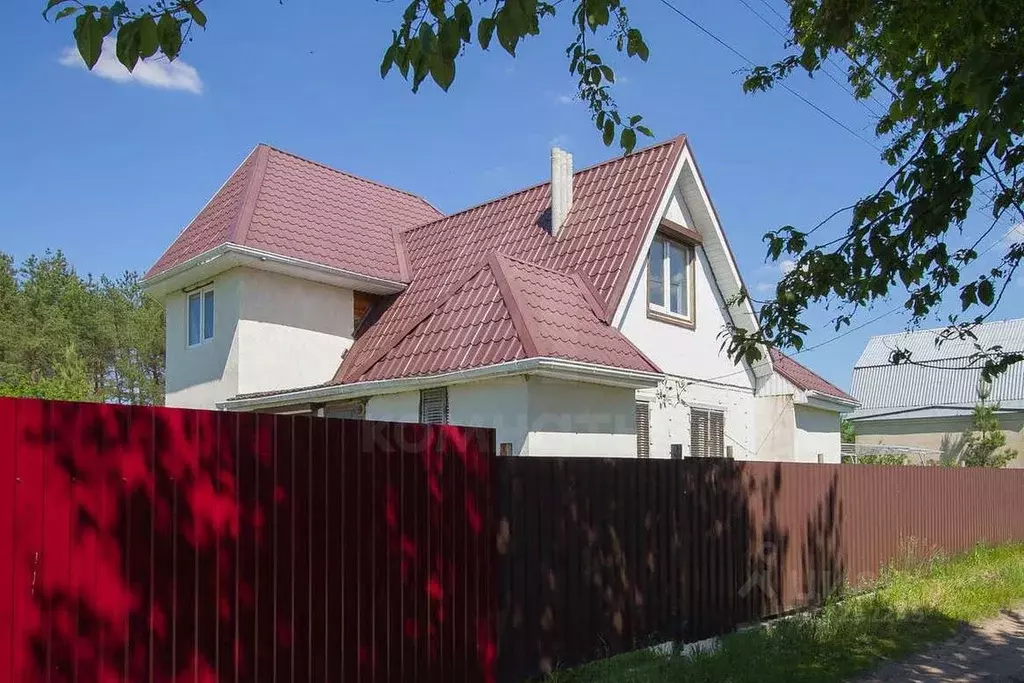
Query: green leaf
609, 75
635, 45
128, 45
644, 130
443, 72
628, 140
609, 132
635, 119
389, 59
118, 8
986, 292
484, 31
89, 38
193, 11
464, 20
51, 4
169, 30
66, 12
149, 40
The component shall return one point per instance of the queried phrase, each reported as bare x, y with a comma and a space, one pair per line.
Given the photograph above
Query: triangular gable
687, 179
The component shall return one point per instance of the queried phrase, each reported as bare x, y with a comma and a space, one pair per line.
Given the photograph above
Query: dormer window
670, 279
200, 316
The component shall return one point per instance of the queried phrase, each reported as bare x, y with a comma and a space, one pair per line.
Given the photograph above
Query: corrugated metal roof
804, 378
287, 205
508, 310
949, 378
613, 204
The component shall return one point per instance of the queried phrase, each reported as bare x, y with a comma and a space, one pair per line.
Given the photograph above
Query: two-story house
581, 316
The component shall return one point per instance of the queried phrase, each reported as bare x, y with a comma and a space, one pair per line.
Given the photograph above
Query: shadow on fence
167, 545
599, 557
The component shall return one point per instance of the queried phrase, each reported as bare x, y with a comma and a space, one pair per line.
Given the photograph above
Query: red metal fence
157, 545
602, 556
150, 544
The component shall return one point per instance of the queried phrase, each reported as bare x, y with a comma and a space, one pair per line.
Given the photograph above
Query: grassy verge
911, 608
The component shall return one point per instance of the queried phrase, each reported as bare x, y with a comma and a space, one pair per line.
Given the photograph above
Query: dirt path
992, 651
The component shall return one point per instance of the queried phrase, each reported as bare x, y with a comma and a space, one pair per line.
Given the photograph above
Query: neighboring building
576, 317
803, 411
927, 403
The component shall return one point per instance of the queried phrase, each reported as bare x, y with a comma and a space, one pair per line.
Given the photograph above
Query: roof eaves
240, 228
512, 303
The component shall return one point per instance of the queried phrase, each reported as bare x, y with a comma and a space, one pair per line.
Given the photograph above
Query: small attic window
670, 272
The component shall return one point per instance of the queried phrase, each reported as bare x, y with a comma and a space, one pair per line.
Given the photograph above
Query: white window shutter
643, 430
434, 406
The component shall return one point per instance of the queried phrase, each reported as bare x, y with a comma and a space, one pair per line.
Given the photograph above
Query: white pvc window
670, 278
200, 315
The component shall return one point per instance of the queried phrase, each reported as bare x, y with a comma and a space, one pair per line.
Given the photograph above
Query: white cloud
765, 287
154, 72
564, 99
787, 266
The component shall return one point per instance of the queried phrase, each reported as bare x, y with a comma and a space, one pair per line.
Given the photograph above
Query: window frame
664, 311
200, 294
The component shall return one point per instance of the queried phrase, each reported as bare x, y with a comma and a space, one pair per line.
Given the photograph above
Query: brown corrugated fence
602, 556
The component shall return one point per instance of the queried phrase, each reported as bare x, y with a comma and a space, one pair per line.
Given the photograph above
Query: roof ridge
512, 303
240, 227
586, 169
415, 322
348, 173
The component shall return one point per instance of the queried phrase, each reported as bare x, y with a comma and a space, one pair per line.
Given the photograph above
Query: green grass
911, 607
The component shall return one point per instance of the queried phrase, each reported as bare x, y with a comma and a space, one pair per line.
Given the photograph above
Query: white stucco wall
500, 404
537, 416
292, 332
817, 432
270, 332
199, 376
670, 405
699, 373
776, 428
580, 419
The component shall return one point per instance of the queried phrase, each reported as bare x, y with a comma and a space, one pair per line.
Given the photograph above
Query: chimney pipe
561, 188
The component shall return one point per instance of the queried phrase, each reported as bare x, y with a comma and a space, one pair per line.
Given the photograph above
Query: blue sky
110, 171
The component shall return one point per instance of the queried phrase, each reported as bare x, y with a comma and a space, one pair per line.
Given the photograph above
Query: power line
824, 65
786, 86
805, 349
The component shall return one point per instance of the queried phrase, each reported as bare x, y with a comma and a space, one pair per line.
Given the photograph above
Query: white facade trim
226, 256
547, 367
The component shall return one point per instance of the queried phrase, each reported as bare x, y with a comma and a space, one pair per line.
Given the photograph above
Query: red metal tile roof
803, 378
613, 204
286, 205
507, 310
